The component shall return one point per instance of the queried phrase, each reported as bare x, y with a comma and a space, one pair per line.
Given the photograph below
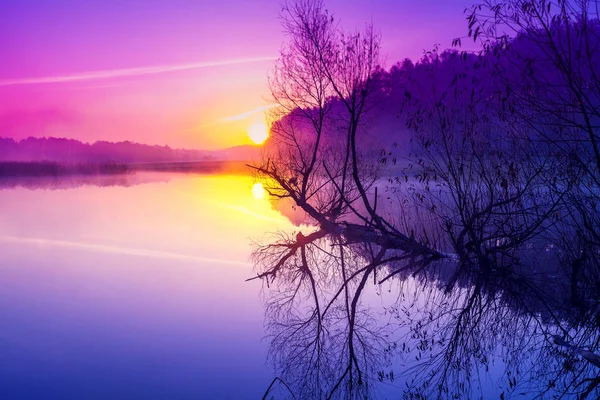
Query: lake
132, 287
135, 286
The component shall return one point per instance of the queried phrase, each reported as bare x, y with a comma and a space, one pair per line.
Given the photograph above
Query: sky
183, 73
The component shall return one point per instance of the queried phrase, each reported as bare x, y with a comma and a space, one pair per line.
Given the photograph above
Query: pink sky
181, 72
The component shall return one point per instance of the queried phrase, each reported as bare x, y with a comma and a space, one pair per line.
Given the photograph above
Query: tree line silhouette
73, 151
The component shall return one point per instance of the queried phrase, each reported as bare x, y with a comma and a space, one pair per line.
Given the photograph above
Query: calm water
126, 287
132, 291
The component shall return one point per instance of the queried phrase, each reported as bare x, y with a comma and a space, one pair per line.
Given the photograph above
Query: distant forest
509, 91
73, 151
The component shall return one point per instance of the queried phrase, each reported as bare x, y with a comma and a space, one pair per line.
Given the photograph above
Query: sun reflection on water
258, 191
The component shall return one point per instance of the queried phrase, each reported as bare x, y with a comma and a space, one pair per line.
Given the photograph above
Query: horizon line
123, 72
90, 143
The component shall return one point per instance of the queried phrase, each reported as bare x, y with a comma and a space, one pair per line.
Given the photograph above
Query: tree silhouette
313, 155
488, 237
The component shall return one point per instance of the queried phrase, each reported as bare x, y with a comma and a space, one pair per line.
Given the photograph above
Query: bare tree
476, 174
563, 38
543, 58
322, 86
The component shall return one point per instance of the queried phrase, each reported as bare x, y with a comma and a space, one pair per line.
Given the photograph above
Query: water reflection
353, 320
75, 181
132, 292
136, 291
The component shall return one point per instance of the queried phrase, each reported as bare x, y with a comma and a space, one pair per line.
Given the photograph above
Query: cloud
118, 73
232, 118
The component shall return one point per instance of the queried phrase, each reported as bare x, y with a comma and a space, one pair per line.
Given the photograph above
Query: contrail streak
118, 73
101, 248
246, 114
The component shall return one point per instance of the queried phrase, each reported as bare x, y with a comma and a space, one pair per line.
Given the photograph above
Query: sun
258, 132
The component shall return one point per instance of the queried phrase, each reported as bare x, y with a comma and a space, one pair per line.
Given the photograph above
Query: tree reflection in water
352, 320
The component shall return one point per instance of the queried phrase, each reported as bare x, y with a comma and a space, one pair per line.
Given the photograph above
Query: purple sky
186, 73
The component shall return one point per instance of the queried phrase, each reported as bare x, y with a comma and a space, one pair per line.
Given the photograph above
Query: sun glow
258, 132
258, 191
